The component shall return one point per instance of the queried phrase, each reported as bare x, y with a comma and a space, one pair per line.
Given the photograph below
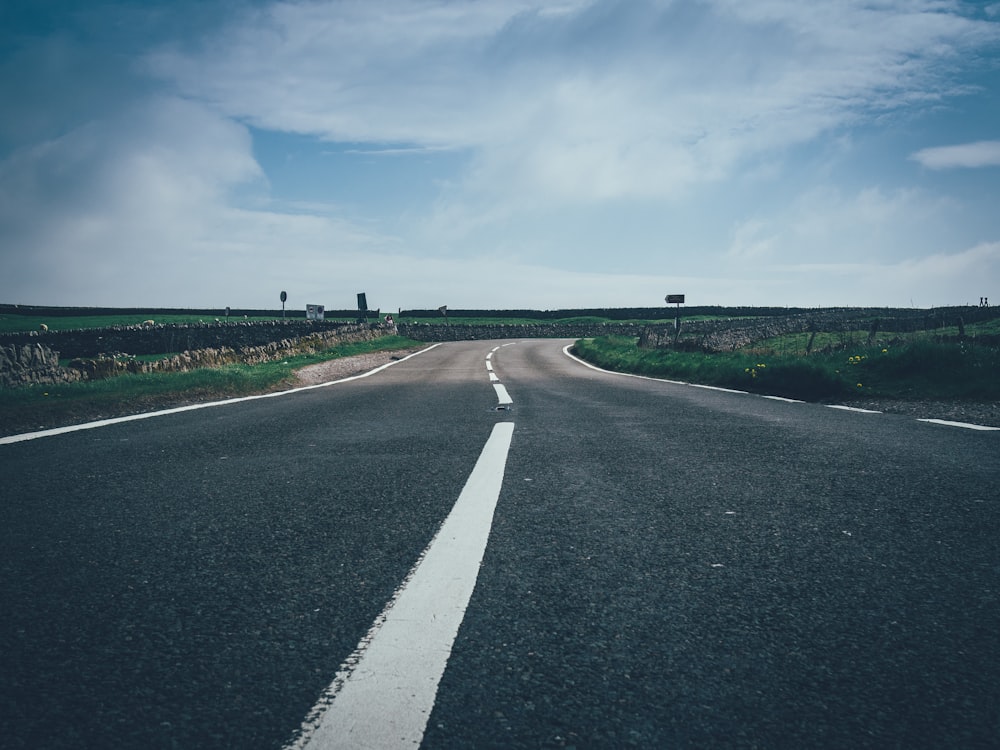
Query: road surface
490, 544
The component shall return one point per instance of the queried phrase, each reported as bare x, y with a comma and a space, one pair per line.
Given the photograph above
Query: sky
499, 154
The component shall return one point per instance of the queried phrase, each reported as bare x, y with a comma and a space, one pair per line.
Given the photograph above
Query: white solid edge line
503, 399
383, 694
566, 351
718, 388
773, 398
191, 407
966, 425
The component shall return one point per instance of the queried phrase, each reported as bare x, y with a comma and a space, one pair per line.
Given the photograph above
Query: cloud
602, 100
140, 208
928, 281
968, 155
829, 222
632, 141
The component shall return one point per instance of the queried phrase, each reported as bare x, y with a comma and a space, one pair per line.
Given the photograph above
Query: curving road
666, 566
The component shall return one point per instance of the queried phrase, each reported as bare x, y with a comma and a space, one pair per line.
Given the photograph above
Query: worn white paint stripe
191, 407
585, 363
384, 693
966, 425
852, 408
503, 399
494, 378
717, 388
489, 366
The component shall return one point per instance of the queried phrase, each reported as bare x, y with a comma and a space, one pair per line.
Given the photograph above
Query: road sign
675, 299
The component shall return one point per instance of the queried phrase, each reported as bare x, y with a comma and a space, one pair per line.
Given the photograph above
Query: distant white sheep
43, 328
149, 322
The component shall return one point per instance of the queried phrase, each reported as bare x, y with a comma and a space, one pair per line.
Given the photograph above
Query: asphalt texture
669, 566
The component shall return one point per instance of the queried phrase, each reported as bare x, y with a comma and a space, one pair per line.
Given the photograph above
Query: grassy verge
10, 323
918, 370
40, 406
490, 321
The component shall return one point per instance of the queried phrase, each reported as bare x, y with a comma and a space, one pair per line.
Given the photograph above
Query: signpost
315, 312
676, 299
362, 307
284, 296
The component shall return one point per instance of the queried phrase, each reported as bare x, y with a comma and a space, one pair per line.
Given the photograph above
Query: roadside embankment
111, 352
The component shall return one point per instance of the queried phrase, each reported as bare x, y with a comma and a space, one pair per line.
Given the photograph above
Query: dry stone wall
36, 362
29, 364
729, 335
458, 332
163, 339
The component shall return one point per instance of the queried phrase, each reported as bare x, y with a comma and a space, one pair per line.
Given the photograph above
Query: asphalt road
668, 566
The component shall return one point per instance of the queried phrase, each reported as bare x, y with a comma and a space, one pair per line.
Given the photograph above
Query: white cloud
827, 222
600, 100
138, 209
571, 130
927, 281
968, 155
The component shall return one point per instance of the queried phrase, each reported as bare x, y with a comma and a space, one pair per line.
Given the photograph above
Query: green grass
487, 321
917, 369
11, 323
38, 406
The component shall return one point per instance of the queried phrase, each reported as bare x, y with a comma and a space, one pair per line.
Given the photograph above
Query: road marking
851, 408
966, 425
566, 351
502, 398
718, 388
585, 363
191, 407
383, 694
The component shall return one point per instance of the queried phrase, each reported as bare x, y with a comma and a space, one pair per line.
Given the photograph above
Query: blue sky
501, 154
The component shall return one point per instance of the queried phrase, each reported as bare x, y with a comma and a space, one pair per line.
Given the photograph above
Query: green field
14, 323
838, 366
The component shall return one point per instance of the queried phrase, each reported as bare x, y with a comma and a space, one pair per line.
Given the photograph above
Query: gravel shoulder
345, 367
23, 420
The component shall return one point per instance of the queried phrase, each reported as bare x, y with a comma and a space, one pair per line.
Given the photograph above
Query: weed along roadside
47, 405
908, 361
920, 376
